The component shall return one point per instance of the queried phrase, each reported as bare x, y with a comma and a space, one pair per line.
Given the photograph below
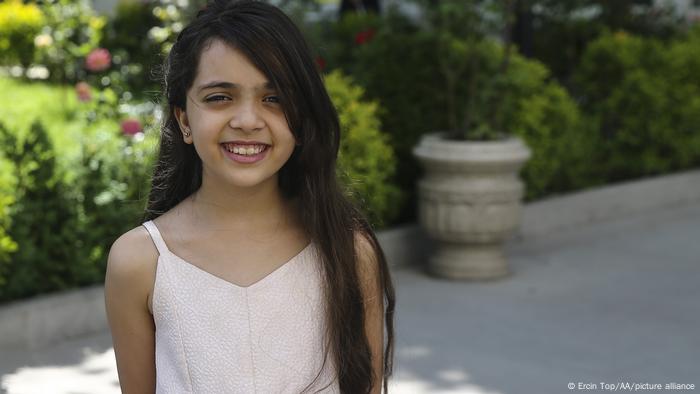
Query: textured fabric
213, 336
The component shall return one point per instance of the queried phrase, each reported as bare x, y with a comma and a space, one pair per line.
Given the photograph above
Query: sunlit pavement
609, 303
81, 366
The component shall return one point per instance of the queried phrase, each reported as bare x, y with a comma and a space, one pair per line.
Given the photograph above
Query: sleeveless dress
213, 336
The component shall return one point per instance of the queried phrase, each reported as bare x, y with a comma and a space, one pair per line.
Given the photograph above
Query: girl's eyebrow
267, 85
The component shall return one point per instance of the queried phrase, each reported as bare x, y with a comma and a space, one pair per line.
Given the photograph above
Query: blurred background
602, 92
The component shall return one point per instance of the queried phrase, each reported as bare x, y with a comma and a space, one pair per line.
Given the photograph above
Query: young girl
252, 273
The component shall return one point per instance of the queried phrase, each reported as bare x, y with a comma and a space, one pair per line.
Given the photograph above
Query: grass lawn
56, 107
23, 102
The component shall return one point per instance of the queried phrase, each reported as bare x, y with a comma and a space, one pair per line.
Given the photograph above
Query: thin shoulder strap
155, 236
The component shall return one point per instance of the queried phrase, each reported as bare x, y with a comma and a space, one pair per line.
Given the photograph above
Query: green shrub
74, 30
173, 16
113, 184
104, 174
126, 37
23, 102
366, 162
552, 125
63, 224
337, 42
396, 69
43, 221
7, 198
19, 25
561, 30
643, 97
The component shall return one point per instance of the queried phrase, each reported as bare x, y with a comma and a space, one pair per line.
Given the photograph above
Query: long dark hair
275, 46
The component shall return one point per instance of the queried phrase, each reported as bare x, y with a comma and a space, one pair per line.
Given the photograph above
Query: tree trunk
523, 30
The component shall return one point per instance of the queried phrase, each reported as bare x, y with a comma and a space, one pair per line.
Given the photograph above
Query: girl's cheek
208, 119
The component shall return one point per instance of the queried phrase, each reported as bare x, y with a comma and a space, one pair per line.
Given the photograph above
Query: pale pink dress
213, 336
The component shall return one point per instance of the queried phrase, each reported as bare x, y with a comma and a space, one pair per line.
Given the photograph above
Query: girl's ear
184, 124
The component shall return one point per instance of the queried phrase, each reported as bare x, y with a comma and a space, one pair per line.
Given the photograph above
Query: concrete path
614, 303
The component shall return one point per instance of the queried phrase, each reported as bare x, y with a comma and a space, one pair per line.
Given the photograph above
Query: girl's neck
248, 209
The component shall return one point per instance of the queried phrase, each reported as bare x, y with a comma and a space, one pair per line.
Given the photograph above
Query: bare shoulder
128, 284
367, 259
370, 276
132, 262
132, 253
364, 246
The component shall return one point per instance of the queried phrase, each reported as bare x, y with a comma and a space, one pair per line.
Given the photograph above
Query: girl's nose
246, 118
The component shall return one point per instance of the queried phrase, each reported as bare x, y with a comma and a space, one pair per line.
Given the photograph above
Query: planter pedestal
476, 261
469, 203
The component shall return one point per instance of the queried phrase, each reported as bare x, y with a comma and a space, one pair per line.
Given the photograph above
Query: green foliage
342, 47
134, 55
459, 30
19, 24
392, 68
561, 30
173, 16
74, 30
643, 97
551, 124
395, 68
43, 221
113, 182
7, 198
366, 162
67, 121
21, 103
99, 185
62, 224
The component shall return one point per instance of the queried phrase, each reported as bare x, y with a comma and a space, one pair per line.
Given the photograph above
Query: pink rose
82, 89
98, 60
321, 63
364, 36
131, 127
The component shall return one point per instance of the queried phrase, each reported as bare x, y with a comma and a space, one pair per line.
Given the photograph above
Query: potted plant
470, 196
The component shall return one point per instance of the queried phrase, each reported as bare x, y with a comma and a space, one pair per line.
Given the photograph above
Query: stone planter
470, 202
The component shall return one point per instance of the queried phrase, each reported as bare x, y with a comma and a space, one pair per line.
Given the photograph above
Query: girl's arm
368, 271
130, 274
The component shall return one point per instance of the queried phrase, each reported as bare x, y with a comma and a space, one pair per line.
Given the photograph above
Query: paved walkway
607, 304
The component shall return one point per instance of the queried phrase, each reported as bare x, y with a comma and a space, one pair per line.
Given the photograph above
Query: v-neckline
253, 285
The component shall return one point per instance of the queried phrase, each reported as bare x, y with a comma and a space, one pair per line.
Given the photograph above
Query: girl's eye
272, 99
216, 98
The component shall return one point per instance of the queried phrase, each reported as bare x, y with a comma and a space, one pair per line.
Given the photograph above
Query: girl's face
237, 124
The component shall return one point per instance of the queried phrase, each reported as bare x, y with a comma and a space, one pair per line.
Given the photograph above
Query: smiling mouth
245, 150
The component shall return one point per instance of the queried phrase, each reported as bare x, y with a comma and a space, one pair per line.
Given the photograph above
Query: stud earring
187, 132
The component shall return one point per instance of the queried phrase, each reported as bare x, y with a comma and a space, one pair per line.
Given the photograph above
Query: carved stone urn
470, 202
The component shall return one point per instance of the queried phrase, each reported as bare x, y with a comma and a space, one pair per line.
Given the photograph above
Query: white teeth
247, 150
